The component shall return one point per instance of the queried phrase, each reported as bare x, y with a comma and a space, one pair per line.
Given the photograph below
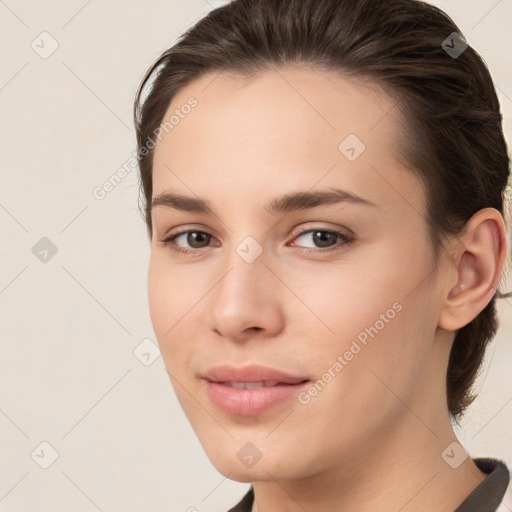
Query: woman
322, 186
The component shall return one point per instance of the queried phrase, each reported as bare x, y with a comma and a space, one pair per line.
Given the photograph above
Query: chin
264, 469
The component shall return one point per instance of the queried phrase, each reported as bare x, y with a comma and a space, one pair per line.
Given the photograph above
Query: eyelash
346, 240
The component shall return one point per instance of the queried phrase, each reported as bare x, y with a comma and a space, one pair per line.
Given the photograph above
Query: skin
373, 438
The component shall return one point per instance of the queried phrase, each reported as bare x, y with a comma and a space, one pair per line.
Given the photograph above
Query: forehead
282, 127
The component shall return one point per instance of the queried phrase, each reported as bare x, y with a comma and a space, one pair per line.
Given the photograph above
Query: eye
324, 238
196, 240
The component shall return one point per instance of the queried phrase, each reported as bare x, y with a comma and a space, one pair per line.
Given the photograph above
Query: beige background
69, 326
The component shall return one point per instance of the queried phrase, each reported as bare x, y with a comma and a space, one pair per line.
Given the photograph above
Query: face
341, 293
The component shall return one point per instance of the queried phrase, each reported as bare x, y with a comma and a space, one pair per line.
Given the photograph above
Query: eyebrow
284, 204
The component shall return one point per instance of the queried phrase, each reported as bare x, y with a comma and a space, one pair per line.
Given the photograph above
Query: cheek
376, 313
158, 298
171, 293
370, 368
170, 302
338, 302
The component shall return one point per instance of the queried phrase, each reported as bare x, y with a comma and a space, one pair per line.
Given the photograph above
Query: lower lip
250, 402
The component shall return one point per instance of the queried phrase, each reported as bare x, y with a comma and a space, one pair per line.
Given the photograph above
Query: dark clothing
489, 494
486, 497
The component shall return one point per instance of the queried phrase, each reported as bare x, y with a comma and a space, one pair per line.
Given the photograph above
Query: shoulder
491, 494
506, 503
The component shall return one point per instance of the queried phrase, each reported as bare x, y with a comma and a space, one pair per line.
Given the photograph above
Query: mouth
252, 398
251, 374
260, 384
251, 390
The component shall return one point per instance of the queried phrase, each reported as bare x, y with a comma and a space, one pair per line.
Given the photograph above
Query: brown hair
455, 140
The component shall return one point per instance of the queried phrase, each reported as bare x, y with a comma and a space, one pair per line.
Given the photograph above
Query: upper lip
251, 373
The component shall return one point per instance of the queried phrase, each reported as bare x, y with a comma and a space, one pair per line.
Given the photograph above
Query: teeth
250, 385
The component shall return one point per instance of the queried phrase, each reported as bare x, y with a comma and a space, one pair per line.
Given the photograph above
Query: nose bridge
246, 266
249, 250
245, 296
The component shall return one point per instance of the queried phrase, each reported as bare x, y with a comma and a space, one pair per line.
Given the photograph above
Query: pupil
320, 240
194, 236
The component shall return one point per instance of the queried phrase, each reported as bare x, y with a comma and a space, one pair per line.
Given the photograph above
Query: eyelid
303, 228
185, 228
299, 230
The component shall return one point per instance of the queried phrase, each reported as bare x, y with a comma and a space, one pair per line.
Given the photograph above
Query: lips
227, 374
251, 390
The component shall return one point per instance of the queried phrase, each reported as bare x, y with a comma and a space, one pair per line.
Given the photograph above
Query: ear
479, 262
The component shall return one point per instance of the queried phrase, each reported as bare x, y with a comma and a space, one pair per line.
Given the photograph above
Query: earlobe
480, 262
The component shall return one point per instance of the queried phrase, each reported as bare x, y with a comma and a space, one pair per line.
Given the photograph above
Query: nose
246, 301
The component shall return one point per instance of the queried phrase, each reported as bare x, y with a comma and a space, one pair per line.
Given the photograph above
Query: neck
399, 468
399, 471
